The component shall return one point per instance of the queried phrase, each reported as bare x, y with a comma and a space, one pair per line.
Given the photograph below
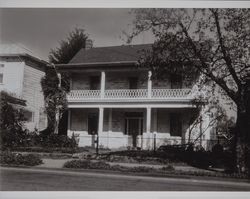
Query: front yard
139, 162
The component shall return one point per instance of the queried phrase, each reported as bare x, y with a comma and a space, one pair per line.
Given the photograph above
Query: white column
100, 123
149, 84
148, 124
102, 84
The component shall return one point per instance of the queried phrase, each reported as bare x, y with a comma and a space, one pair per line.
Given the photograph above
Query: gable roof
18, 50
111, 54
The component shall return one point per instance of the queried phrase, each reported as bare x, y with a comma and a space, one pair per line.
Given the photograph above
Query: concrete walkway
53, 163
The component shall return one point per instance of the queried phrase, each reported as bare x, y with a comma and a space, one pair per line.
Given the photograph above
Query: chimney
88, 44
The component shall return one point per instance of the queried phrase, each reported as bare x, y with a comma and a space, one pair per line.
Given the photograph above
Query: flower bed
166, 170
18, 159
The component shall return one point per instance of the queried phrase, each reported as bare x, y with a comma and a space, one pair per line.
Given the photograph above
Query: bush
86, 164
18, 159
168, 168
58, 141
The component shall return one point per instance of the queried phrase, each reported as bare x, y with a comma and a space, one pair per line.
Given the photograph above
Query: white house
20, 75
112, 98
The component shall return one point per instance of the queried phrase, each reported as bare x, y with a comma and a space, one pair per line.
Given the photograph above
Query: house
20, 74
114, 100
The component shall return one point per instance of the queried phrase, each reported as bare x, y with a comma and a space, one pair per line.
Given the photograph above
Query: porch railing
170, 93
130, 94
84, 94
125, 94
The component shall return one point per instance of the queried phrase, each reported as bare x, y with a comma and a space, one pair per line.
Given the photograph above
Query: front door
133, 130
92, 127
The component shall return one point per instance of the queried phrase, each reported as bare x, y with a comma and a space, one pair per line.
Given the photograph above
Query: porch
130, 94
121, 86
122, 128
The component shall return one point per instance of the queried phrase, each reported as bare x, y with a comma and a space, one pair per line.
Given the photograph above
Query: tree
54, 86
211, 42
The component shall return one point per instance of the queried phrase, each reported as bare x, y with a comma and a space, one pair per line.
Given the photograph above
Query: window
28, 116
175, 124
94, 83
1, 78
1, 73
176, 81
133, 83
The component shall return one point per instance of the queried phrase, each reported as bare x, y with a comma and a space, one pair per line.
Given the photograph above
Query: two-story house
112, 98
20, 75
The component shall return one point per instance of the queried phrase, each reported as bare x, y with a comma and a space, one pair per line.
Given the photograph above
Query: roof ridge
120, 46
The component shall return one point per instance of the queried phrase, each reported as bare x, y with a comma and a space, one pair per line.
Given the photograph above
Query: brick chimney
88, 44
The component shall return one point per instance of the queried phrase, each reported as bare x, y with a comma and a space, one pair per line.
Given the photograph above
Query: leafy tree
211, 42
55, 87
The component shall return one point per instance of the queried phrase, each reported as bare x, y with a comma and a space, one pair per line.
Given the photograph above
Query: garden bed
7, 158
167, 170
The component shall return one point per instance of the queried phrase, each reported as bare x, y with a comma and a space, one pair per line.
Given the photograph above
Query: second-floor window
176, 81
133, 83
94, 83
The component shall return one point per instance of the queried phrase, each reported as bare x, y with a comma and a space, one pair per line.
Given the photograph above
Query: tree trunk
240, 142
242, 130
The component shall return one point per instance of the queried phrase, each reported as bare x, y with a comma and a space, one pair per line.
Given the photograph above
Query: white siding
32, 92
12, 77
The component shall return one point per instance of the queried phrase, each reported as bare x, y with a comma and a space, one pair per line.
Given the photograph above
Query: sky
41, 29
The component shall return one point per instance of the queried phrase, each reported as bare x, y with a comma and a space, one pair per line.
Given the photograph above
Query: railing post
149, 84
102, 84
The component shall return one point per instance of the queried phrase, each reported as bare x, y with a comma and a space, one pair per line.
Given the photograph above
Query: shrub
168, 168
86, 164
55, 140
19, 159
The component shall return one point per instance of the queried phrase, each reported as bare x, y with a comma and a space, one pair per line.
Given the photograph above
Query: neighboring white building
112, 98
20, 74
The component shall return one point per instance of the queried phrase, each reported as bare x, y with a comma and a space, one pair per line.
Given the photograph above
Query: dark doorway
93, 127
92, 123
94, 83
134, 126
133, 130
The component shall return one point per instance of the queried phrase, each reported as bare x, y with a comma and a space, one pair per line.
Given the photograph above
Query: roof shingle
110, 54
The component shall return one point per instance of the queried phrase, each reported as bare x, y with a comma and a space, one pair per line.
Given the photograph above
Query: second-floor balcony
130, 94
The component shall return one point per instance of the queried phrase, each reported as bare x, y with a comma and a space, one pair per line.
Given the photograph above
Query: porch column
148, 125
149, 84
102, 84
100, 123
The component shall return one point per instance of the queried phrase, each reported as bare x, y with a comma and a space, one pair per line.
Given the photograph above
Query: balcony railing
133, 94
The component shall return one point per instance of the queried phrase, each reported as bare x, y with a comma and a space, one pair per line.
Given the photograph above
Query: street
28, 179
